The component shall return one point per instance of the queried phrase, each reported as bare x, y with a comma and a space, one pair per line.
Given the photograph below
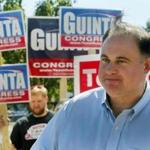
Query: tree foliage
12, 5
148, 25
17, 56
50, 7
45, 8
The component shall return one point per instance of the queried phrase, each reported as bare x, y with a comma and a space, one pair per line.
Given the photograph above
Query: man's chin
38, 113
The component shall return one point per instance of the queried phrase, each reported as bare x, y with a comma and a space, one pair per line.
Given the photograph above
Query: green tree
148, 25
12, 57
50, 7
12, 5
59, 3
45, 8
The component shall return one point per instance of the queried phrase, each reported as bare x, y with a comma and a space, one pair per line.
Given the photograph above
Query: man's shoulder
96, 94
86, 100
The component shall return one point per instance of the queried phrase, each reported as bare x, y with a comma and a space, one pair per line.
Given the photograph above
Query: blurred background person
27, 129
2, 122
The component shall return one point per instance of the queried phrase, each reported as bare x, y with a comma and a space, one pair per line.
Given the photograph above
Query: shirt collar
105, 100
104, 97
143, 100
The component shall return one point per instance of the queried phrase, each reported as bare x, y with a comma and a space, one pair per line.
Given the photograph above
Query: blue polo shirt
86, 122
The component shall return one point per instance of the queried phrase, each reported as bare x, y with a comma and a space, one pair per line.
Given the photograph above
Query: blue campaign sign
12, 35
84, 28
45, 57
14, 87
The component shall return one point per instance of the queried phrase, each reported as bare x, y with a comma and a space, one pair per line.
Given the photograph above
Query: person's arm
15, 137
2, 122
13, 147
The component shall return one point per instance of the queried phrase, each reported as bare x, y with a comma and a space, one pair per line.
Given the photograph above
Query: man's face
38, 104
122, 68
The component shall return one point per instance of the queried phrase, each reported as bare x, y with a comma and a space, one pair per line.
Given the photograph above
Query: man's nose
111, 68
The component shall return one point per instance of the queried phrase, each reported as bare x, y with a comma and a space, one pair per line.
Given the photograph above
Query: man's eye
120, 61
105, 60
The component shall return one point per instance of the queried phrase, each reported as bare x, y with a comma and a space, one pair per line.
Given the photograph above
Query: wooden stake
63, 89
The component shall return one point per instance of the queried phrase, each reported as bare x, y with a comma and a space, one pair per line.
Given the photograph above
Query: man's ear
147, 65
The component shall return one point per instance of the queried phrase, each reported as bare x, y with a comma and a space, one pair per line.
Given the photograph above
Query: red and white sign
86, 73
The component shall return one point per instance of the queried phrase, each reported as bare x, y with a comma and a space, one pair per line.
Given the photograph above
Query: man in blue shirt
117, 115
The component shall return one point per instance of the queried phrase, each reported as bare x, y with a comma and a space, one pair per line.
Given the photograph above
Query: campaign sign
12, 34
14, 83
84, 28
86, 73
45, 57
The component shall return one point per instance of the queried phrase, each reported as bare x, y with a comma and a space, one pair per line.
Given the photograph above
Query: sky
135, 11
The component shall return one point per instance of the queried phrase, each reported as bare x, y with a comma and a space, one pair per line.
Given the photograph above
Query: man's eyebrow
123, 58
119, 57
103, 55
